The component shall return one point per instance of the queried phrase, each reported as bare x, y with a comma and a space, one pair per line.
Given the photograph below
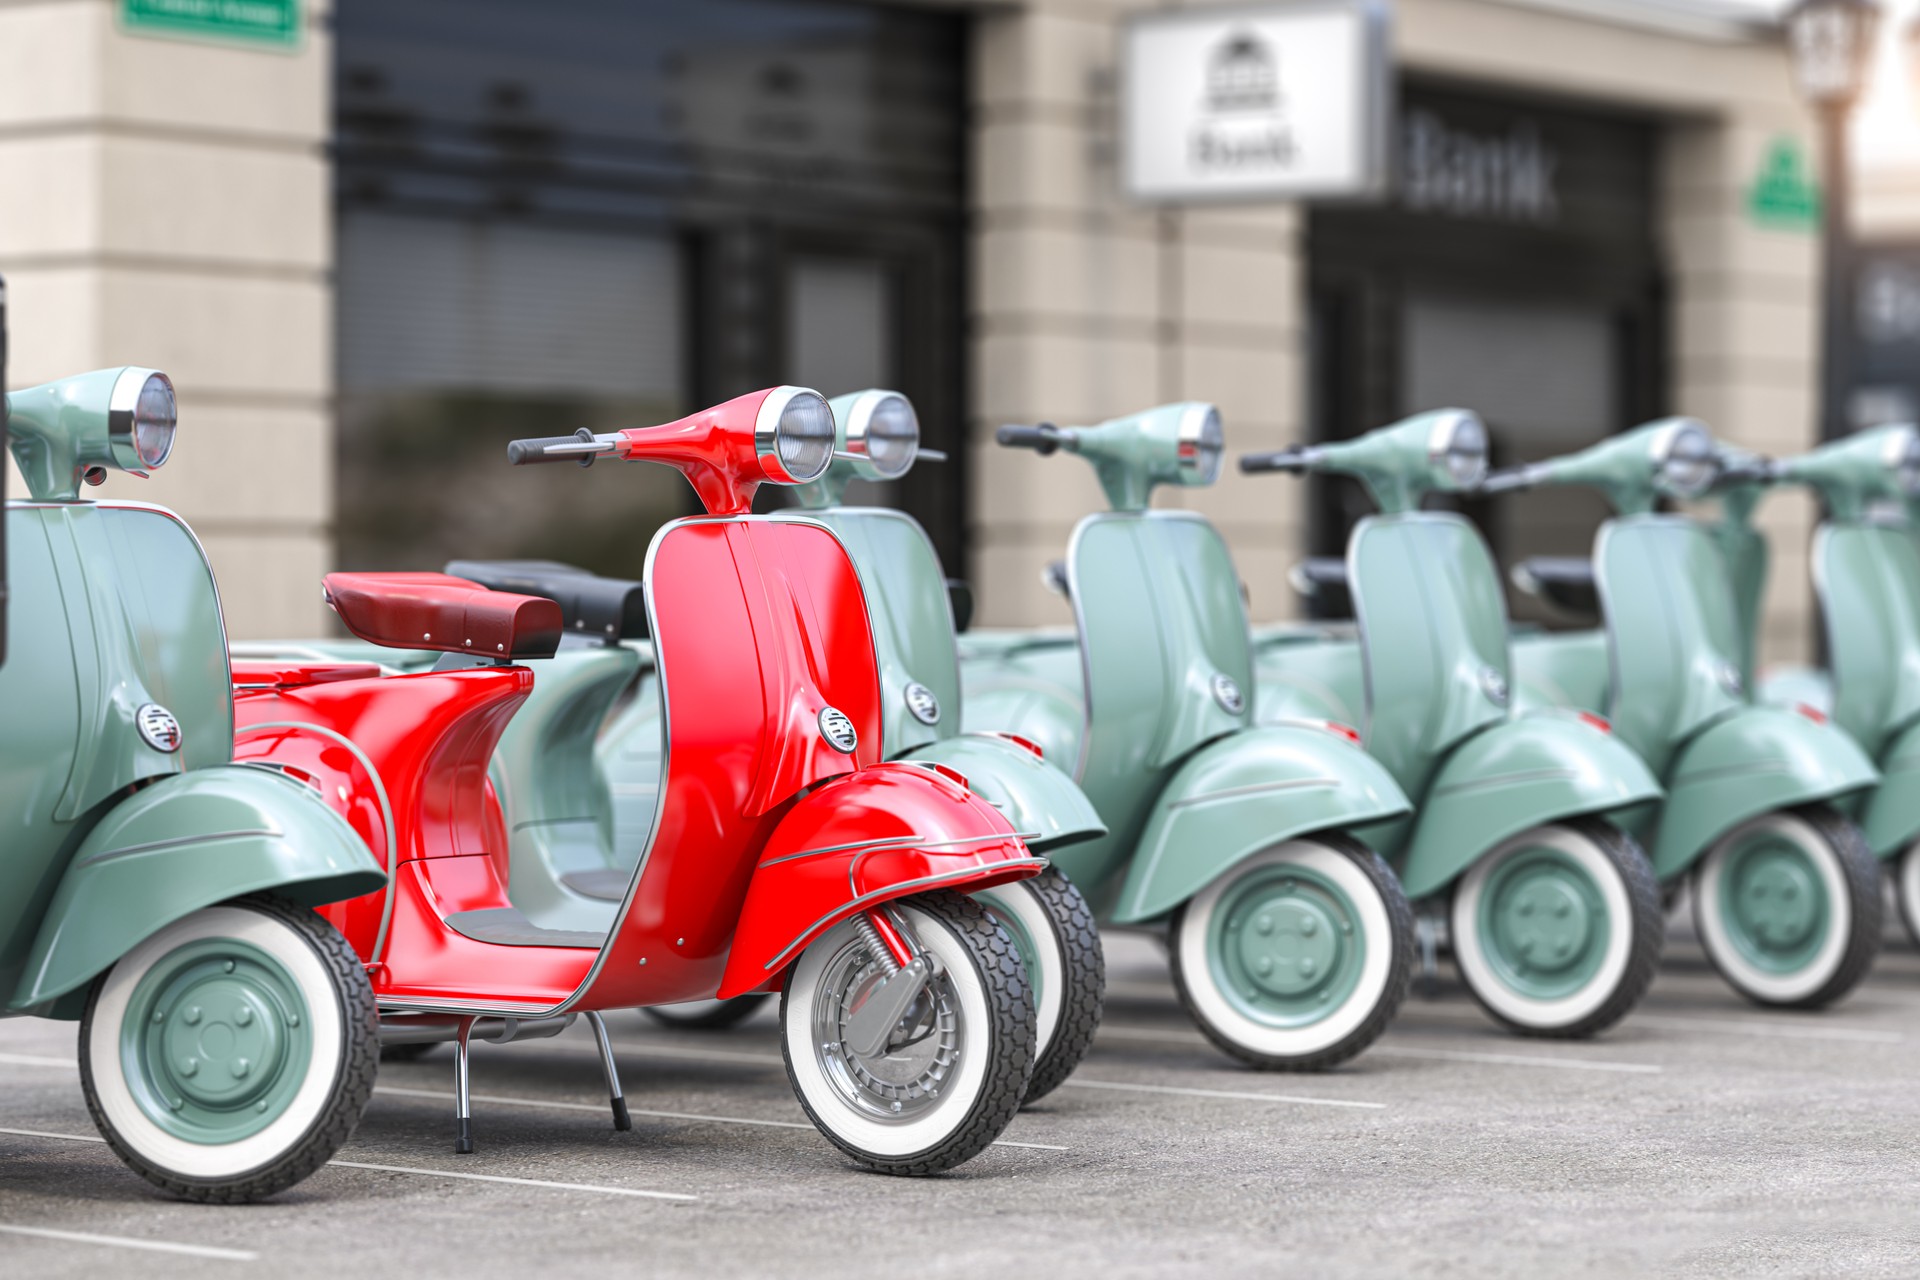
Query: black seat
608, 885
1565, 582
608, 609
506, 927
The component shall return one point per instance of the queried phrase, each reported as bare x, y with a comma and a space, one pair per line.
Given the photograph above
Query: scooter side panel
1241, 794
629, 755
1033, 688
1520, 773
1868, 577
1891, 815
181, 844
860, 841
1040, 800
1302, 679
1754, 761
912, 618
1562, 670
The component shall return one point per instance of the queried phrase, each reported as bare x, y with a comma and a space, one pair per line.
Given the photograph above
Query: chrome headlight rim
1685, 460
767, 435
125, 406
1457, 449
860, 436
1200, 443
1903, 459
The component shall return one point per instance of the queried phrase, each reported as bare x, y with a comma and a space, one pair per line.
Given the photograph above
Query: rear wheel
1788, 907
1906, 889
708, 1015
1297, 958
1557, 931
954, 1068
229, 1055
1052, 926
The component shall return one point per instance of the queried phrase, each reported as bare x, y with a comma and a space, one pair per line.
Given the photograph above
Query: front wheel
954, 1069
230, 1055
1052, 926
1297, 958
1788, 907
1557, 931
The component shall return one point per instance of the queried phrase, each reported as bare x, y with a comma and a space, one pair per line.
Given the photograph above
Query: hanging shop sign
1271, 103
257, 22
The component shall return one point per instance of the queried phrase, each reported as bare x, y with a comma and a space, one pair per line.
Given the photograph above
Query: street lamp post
1830, 41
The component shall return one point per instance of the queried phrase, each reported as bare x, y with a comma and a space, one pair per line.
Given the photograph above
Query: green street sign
1784, 194
272, 22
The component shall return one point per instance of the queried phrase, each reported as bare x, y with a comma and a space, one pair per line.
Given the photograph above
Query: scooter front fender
1040, 800
859, 840
1516, 774
1243, 793
1754, 761
184, 843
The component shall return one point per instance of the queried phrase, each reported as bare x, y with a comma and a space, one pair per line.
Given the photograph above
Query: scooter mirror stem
1854, 473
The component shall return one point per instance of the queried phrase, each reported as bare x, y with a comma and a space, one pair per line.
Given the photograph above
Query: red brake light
1598, 722
1346, 731
1019, 741
1812, 713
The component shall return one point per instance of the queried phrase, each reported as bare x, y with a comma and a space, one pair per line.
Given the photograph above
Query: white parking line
64, 1137
601, 1107
1790, 1026
129, 1242
34, 1060
1076, 1082
1518, 1060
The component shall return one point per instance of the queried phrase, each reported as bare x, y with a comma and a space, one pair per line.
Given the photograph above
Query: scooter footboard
859, 840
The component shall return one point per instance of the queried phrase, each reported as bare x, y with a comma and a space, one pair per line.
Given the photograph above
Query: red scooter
784, 855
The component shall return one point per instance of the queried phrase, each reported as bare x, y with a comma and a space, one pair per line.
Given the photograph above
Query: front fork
908, 972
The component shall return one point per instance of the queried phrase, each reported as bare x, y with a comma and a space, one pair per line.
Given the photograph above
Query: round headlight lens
803, 437
890, 436
141, 417
1202, 442
1688, 464
1459, 447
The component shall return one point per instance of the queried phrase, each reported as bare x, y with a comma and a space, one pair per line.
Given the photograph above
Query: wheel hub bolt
1264, 924
193, 1016
189, 1067
293, 1019
229, 966
243, 1016
1308, 968
1526, 908
1564, 910
240, 1068
159, 1016
1309, 927
1265, 965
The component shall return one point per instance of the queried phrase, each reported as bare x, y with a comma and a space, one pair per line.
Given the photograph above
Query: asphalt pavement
1703, 1137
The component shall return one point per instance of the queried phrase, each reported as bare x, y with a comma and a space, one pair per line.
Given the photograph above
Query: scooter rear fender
184, 843
857, 841
1522, 772
1754, 761
1039, 799
1243, 793
1891, 815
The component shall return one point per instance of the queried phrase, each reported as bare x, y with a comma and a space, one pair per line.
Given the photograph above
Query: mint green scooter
1519, 834
1786, 893
1291, 942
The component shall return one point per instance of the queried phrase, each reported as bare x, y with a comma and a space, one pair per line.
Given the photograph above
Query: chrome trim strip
176, 842
1257, 788
892, 891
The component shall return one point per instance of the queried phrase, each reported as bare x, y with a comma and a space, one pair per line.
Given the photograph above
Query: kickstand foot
622, 1122
462, 1094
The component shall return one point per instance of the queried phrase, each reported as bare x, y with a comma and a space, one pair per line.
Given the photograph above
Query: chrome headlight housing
883, 432
142, 415
793, 435
1202, 442
1457, 449
1685, 461
1903, 457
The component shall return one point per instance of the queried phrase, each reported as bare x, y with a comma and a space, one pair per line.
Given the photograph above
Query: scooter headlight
1457, 449
1685, 460
141, 417
793, 435
1903, 456
883, 429
1202, 441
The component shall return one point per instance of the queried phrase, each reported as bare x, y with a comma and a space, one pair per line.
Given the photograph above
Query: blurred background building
374, 239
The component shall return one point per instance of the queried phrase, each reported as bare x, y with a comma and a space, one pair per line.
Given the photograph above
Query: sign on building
1270, 103
272, 22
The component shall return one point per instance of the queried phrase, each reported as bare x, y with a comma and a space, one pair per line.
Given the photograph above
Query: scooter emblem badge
158, 728
1729, 676
921, 702
838, 730
1494, 685
1227, 694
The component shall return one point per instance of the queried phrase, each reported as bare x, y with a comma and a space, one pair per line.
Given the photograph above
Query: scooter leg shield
855, 842
1031, 792
1757, 760
1890, 817
1244, 793
185, 843
1517, 774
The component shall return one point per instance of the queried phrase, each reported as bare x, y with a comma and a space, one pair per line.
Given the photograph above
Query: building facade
369, 256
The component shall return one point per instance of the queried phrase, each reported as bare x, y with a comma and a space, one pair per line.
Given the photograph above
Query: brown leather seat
438, 611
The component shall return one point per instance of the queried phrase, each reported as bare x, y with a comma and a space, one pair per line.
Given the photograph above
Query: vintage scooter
1551, 908
1786, 894
1291, 942
149, 887
783, 854
909, 602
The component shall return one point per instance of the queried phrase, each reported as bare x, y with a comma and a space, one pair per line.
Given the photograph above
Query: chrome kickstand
622, 1122
462, 1094
1426, 932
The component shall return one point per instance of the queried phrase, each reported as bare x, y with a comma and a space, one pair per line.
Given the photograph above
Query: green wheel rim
1773, 902
216, 1042
1286, 946
1543, 923
1023, 942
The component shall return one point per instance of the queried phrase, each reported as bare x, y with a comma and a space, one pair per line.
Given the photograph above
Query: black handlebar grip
1042, 439
521, 453
1292, 460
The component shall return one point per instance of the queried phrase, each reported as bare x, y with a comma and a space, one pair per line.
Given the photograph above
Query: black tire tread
360, 1047
1909, 910
1399, 975
1084, 990
1010, 1043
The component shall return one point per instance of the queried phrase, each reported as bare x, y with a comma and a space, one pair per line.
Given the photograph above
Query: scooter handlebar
581, 447
1043, 439
1507, 480
1746, 471
1293, 460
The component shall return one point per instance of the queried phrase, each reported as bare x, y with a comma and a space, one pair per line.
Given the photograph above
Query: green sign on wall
274, 22
1784, 194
